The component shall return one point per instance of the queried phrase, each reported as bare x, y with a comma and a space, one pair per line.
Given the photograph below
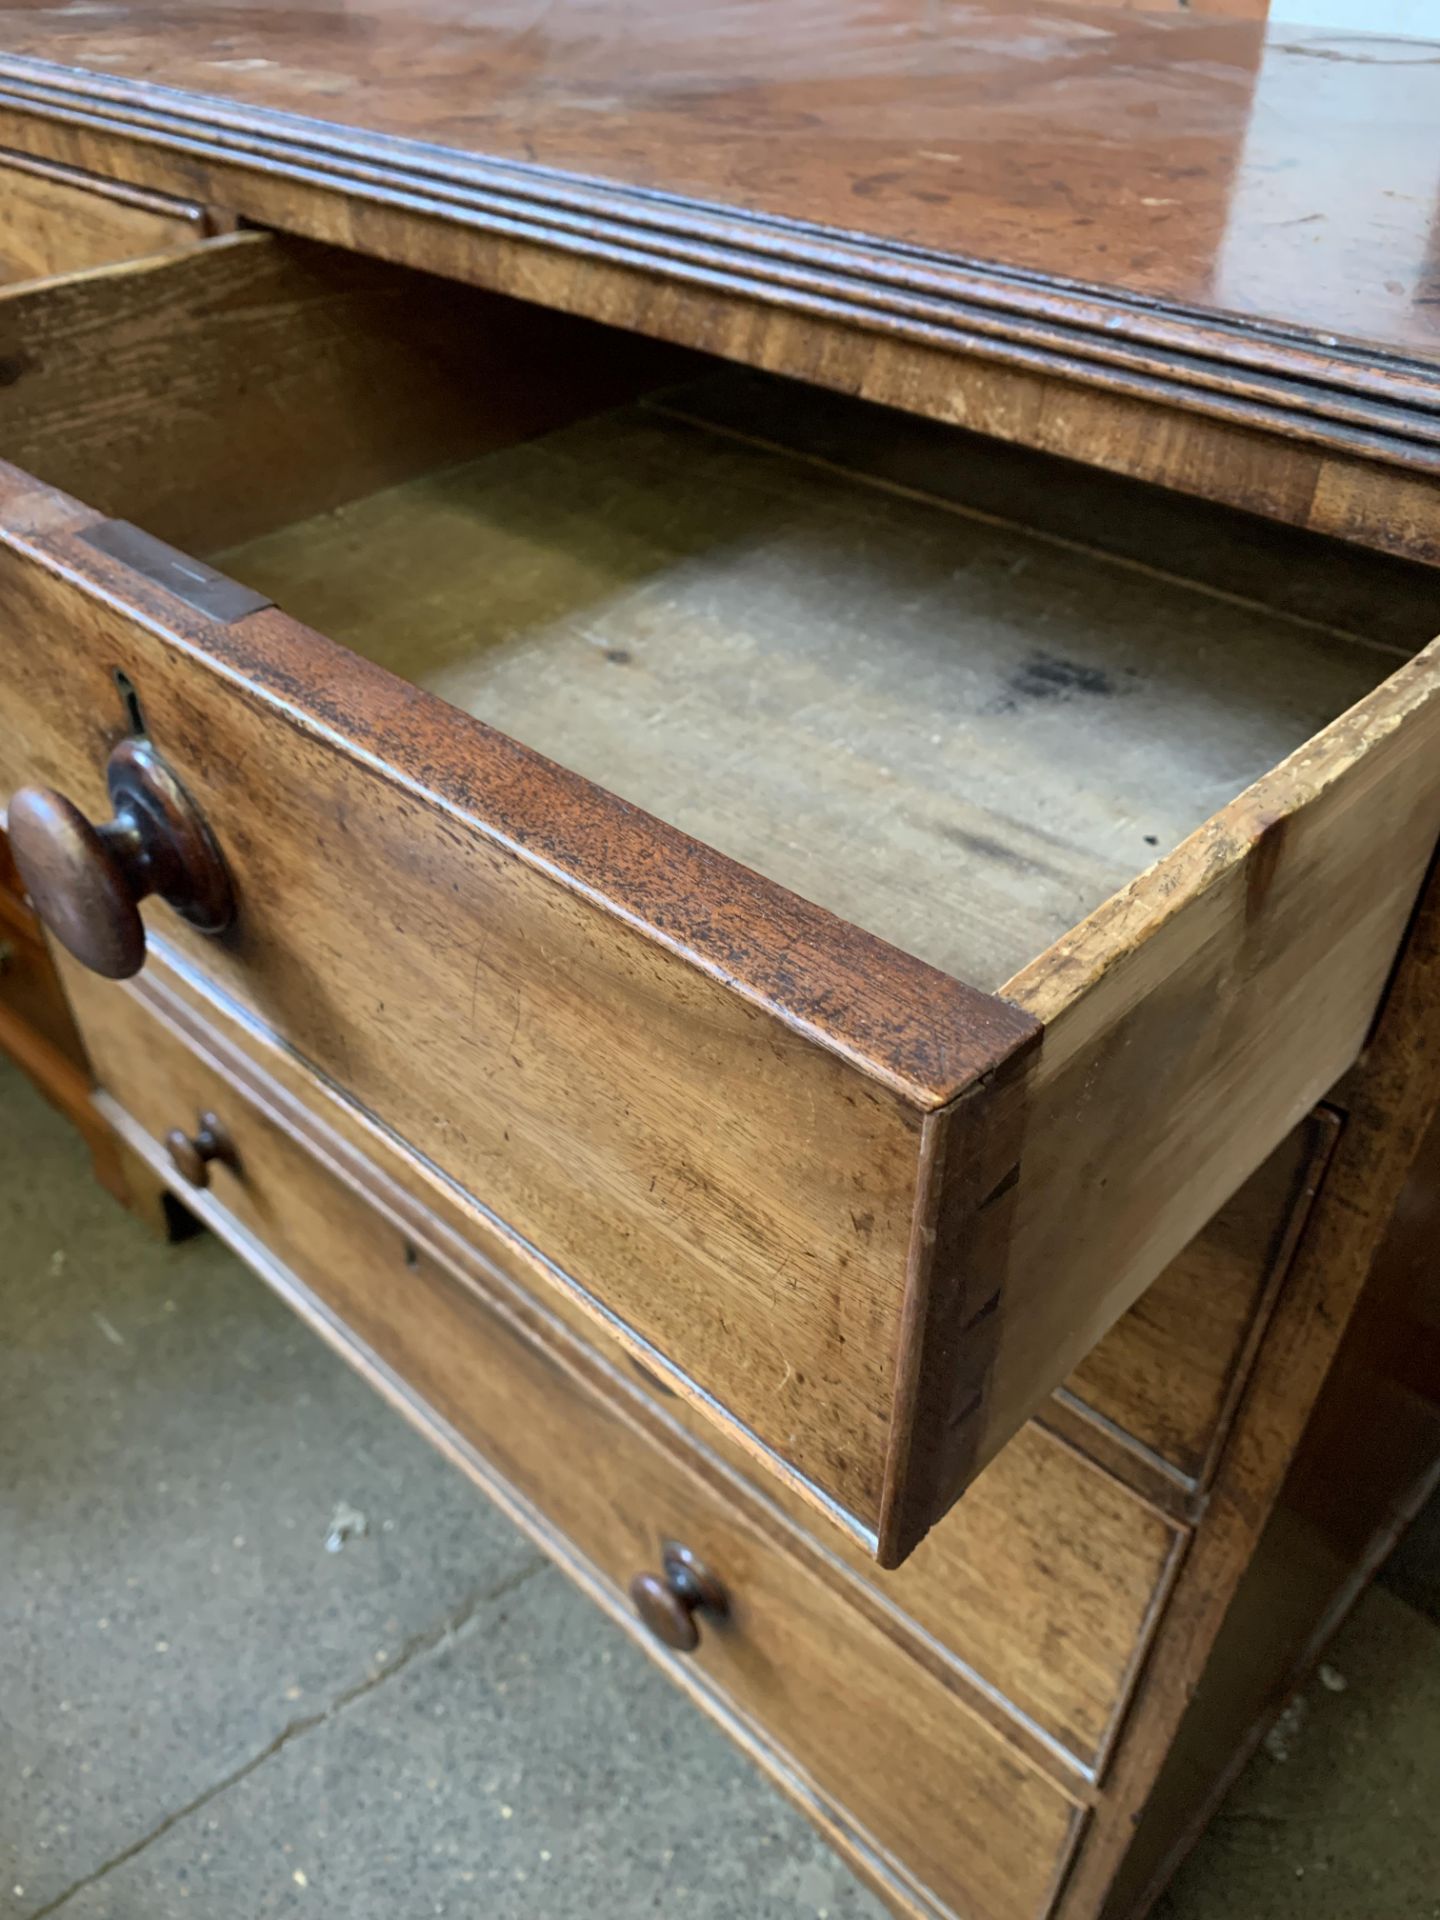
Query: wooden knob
667, 1602
86, 883
192, 1153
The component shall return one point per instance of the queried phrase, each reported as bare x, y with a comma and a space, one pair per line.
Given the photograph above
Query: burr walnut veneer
643, 803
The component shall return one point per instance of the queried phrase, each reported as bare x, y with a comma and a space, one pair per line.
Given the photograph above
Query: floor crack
413, 1649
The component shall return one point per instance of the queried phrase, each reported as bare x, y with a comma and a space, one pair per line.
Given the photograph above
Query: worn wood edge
1345, 494
1392, 1098
870, 1860
149, 107
1181, 1532
1328, 1123
16, 292
949, 1321
1156, 1480
919, 1032
1145, 1639
1058, 979
1352, 395
192, 1008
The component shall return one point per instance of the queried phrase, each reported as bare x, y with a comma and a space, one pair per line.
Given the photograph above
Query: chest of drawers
835, 1003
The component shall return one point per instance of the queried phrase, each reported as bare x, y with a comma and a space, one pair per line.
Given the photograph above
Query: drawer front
646, 1060
880, 1744
56, 220
867, 1216
1046, 1583
622, 1108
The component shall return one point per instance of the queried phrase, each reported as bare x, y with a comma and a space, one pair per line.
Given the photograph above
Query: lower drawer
924, 1793
1039, 1593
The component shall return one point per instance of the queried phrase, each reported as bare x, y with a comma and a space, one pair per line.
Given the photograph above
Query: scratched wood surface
1199, 162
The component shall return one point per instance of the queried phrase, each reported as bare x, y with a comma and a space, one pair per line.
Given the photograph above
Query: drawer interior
958, 734
1105, 774
788, 623
956, 695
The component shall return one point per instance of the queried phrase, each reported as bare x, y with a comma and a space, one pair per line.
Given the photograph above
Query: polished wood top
1287, 174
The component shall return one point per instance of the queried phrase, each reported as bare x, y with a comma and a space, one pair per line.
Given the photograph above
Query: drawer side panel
1200, 1014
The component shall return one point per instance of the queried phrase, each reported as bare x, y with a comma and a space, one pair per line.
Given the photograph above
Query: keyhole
134, 716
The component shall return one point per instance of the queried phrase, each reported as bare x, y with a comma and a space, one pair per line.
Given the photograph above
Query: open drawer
856, 941
56, 219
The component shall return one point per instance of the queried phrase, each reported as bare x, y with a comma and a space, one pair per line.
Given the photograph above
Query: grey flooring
206, 1710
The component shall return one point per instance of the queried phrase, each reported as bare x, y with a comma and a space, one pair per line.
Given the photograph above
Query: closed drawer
924, 1792
1045, 1584
55, 219
868, 1177
1042, 1588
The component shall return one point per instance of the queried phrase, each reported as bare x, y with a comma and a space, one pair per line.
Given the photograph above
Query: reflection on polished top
1213, 158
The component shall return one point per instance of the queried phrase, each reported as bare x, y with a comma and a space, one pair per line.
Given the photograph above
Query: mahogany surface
1280, 172
1174, 241
1214, 236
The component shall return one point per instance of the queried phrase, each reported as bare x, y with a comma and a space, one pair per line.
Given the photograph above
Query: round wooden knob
86, 883
193, 1152
667, 1602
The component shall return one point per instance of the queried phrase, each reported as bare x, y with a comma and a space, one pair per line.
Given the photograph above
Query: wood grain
1197, 1016
972, 1303
1257, 563
1009, 134
1391, 1101
255, 380
1287, 418
1368, 1463
56, 221
1169, 1373
677, 1174
1034, 1599
817, 1679
883, 1228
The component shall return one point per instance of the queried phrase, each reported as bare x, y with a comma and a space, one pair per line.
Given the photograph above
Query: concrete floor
209, 1711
